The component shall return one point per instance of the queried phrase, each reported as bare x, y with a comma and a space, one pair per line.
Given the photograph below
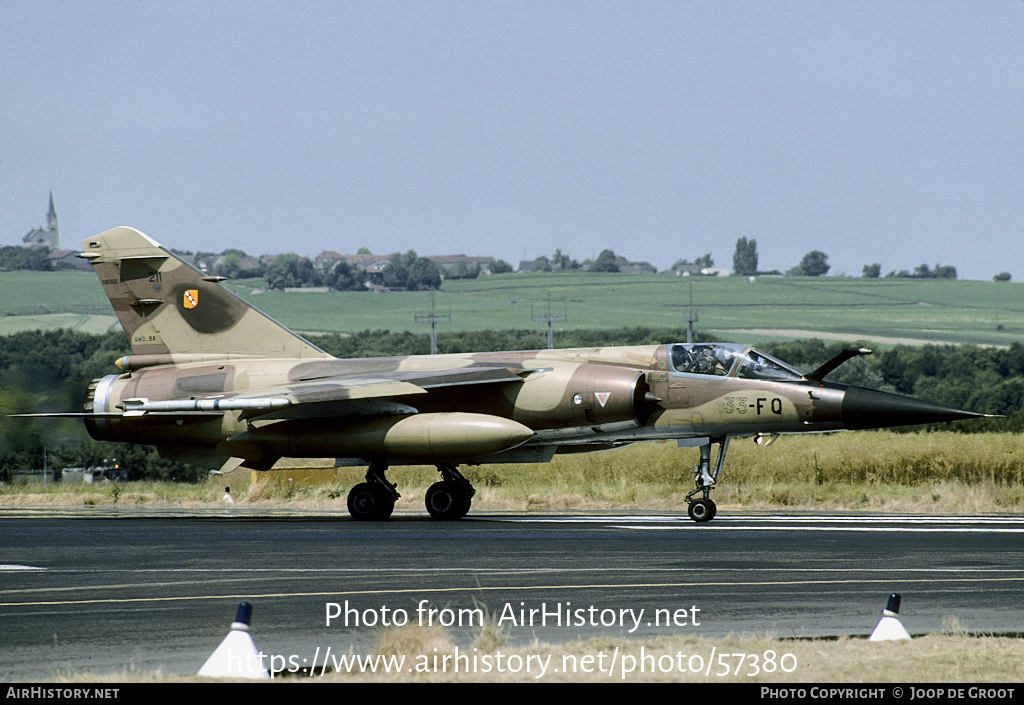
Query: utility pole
433, 320
549, 318
691, 318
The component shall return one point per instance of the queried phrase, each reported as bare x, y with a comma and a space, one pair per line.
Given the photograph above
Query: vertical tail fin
168, 307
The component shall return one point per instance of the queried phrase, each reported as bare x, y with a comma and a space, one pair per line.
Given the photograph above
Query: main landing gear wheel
373, 500
447, 501
701, 510
368, 502
452, 497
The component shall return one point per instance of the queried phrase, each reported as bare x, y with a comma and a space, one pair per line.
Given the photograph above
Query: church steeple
50, 237
51, 216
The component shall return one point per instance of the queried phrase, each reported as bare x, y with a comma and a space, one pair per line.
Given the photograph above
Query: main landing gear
703, 508
451, 497
374, 500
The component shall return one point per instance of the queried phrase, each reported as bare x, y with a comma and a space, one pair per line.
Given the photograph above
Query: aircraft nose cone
867, 408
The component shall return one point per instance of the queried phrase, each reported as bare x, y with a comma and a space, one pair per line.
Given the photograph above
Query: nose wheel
702, 509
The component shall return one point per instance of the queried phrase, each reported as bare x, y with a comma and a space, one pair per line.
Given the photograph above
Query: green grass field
734, 308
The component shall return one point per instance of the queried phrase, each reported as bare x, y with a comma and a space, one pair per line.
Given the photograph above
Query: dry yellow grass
428, 654
937, 658
878, 471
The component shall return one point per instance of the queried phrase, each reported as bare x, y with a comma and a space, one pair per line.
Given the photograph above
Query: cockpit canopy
727, 359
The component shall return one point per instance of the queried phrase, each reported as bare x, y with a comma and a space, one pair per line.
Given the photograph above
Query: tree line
815, 264
14, 258
411, 272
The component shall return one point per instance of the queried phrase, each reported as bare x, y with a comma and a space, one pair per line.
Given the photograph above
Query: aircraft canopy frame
729, 360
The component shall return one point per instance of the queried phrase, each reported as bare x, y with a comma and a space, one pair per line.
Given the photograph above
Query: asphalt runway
122, 589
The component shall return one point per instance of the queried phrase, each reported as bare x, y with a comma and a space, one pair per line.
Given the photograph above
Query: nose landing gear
703, 508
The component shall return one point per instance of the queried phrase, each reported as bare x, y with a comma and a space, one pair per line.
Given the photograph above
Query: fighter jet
213, 381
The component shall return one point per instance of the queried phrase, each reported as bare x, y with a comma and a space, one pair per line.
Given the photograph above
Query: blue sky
887, 132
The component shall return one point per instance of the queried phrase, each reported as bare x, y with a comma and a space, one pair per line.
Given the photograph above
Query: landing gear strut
703, 508
373, 500
451, 497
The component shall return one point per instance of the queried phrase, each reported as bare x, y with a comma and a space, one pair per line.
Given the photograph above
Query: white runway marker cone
237, 656
889, 627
